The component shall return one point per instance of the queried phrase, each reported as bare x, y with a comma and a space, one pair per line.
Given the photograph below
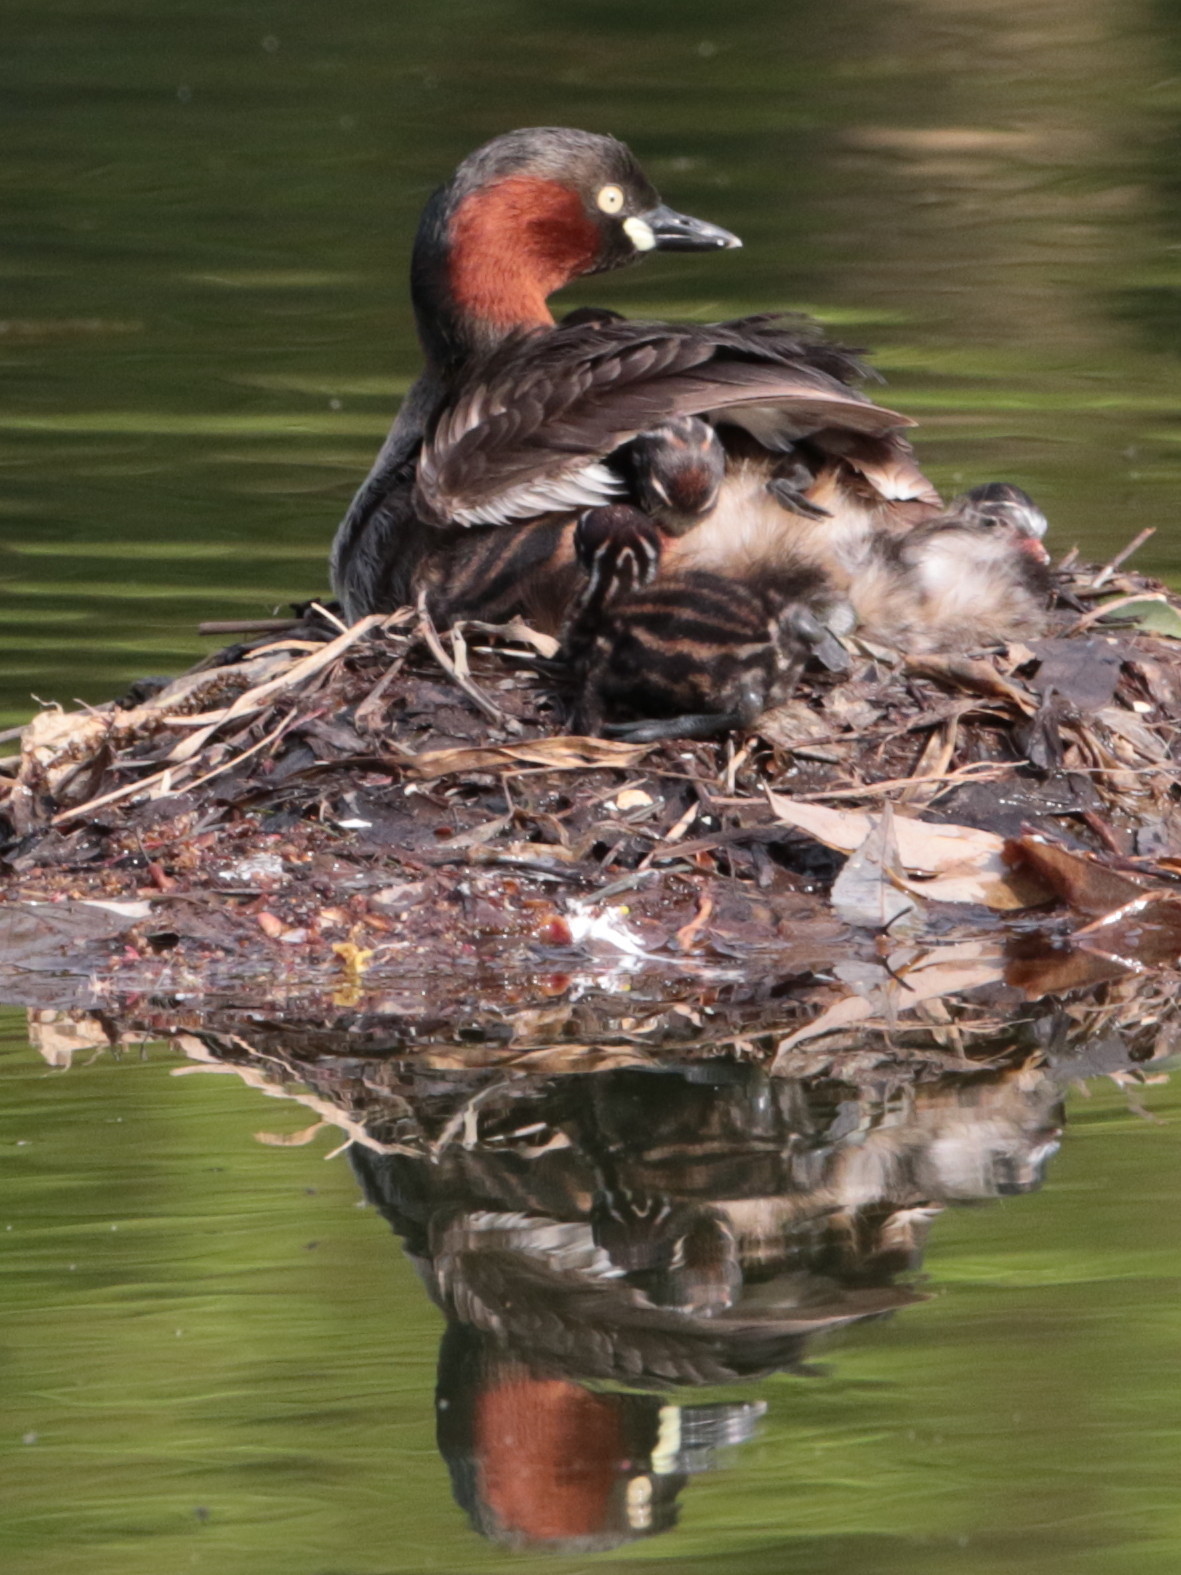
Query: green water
214, 1359
206, 220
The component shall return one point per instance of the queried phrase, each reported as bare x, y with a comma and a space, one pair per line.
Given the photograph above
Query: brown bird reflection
539, 1460
603, 1243
651, 1229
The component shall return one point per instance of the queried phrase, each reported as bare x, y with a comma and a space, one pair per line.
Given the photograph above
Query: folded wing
530, 432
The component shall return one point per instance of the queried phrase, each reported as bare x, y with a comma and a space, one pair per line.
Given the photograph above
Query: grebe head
521, 217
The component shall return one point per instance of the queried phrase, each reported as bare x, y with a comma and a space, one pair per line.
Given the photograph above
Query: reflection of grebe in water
653, 1229
536, 1459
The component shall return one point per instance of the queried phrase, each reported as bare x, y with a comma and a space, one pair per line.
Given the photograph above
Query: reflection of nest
874, 1030
645, 1227
394, 1092
690, 1225
914, 1011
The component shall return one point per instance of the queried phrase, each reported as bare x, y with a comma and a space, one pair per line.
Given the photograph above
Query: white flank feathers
585, 488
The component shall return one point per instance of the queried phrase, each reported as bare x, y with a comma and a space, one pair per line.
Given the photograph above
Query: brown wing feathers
543, 408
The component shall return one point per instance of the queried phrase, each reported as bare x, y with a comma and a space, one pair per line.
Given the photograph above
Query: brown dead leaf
1079, 879
977, 677
270, 925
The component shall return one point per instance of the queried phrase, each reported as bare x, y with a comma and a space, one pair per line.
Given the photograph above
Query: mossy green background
221, 1362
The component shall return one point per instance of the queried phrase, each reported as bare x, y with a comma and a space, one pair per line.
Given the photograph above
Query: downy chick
977, 575
683, 655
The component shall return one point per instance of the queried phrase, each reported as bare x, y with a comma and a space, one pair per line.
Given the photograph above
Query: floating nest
384, 825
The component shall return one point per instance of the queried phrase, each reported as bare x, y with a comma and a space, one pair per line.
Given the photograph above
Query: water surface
215, 1358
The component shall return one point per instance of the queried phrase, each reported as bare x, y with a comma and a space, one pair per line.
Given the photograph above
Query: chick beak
663, 229
1033, 548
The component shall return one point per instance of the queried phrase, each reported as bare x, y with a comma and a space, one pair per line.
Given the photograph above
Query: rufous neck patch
513, 244
549, 1453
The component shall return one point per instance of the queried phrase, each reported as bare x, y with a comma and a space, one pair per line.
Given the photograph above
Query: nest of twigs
341, 818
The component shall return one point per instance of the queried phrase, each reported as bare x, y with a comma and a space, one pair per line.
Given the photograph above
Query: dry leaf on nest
53, 734
478, 835
964, 672
293, 675
870, 888
945, 863
1083, 672
544, 853
564, 753
1079, 879
1145, 740
796, 727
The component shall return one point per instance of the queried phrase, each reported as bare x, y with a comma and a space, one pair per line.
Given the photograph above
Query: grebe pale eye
610, 199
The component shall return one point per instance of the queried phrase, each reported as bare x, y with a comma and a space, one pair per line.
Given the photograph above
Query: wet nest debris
384, 812
355, 1073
